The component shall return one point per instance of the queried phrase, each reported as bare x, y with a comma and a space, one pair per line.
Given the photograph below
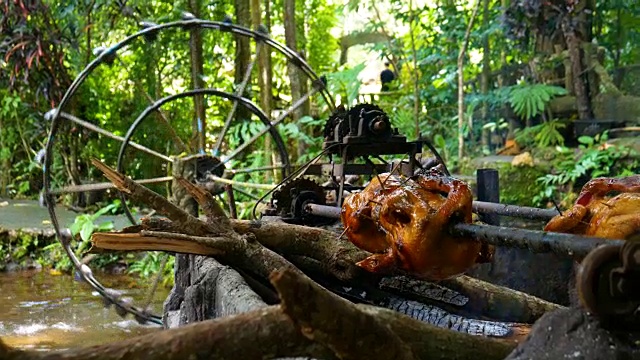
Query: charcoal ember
571, 333
431, 290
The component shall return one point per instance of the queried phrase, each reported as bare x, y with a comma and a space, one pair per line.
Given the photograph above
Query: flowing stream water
43, 311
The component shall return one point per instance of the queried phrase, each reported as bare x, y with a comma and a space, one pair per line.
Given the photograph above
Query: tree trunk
197, 73
416, 73
486, 70
461, 55
296, 78
243, 55
580, 87
264, 80
618, 48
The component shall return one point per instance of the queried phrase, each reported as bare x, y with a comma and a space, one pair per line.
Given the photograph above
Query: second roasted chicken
597, 213
405, 223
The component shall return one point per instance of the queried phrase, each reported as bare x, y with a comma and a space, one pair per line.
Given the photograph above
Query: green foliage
593, 160
82, 228
346, 84
19, 132
84, 225
530, 100
541, 135
24, 248
149, 265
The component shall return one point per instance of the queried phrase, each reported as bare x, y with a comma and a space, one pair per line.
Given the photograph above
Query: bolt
379, 126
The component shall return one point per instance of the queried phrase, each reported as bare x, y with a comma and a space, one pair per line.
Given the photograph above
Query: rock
573, 334
524, 159
12, 267
30, 264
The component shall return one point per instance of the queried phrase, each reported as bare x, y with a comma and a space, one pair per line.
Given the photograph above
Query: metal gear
286, 193
291, 197
376, 125
337, 118
339, 121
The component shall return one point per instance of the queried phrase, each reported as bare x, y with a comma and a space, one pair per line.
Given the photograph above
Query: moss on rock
25, 248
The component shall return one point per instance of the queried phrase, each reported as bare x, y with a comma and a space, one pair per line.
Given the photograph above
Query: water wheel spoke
111, 135
239, 92
103, 186
240, 183
245, 193
255, 169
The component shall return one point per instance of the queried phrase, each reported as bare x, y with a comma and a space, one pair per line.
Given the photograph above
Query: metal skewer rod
574, 246
513, 210
478, 207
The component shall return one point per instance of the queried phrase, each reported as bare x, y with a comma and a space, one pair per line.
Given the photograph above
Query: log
239, 254
500, 303
339, 324
156, 201
335, 322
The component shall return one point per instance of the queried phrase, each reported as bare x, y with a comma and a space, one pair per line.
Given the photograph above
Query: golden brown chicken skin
597, 214
404, 222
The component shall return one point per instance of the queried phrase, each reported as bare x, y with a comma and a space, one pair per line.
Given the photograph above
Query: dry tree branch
369, 332
335, 322
207, 202
155, 201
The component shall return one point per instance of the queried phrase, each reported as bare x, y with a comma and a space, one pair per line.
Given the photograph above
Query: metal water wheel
142, 123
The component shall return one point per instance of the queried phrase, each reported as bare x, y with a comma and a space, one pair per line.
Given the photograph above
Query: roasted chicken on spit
595, 213
405, 221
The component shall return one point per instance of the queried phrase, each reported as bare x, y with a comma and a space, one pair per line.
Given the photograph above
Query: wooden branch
333, 257
335, 322
337, 256
605, 79
498, 302
207, 202
137, 192
164, 241
369, 332
241, 251
263, 334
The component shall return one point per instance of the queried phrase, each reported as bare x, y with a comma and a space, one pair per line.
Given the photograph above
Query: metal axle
526, 212
574, 246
